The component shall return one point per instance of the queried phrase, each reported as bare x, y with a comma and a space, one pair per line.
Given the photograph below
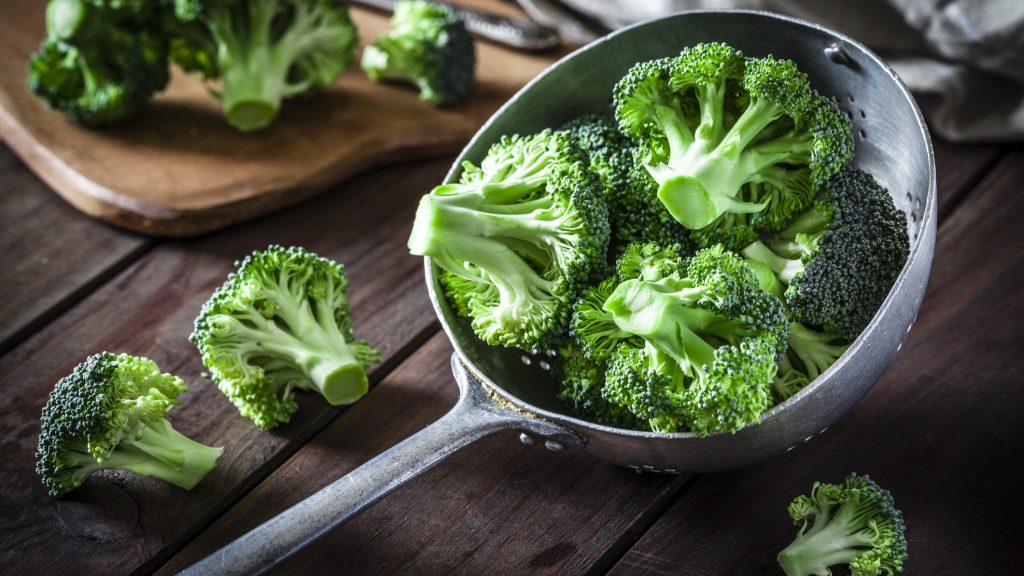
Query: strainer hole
835, 99
544, 365
862, 114
849, 115
526, 359
862, 135
850, 97
913, 217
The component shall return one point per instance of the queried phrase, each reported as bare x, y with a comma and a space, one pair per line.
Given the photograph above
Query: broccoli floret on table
262, 51
428, 46
854, 523
111, 413
518, 238
282, 323
101, 60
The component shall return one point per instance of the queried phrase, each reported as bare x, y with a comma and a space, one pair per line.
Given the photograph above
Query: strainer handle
474, 416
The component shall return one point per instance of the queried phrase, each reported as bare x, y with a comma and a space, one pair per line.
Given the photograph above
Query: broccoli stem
784, 268
813, 551
157, 449
706, 169
331, 364
255, 63
814, 349
665, 320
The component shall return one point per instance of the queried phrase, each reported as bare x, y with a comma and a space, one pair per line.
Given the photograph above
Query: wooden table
943, 429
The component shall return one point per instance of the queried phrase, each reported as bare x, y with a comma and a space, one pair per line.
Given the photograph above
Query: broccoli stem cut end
250, 115
688, 201
161, 451
340, 382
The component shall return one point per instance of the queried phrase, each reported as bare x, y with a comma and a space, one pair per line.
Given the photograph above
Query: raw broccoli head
428, 46
282, 323
263, 51
519, 237
110, 413
581, 384
854, 523
101, 60
840, 258
726, 134
697, 340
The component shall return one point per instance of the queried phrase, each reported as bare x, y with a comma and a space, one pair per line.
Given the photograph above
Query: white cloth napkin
963, 59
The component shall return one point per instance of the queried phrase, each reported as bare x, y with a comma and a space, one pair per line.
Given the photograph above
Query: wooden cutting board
178, 169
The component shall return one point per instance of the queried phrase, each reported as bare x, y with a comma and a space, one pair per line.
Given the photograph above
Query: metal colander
508, 389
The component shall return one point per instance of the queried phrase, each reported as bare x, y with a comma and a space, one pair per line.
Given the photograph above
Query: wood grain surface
50, 256
942, 430
178, 169
120, 523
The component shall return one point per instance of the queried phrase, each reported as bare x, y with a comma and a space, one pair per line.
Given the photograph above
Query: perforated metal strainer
505, 389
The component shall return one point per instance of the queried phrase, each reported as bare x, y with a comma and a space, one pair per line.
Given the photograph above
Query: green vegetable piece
281, 323
110, 413
854, 523
428, 46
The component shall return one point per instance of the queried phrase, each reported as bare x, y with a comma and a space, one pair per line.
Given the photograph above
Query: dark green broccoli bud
854, 523
111, 413
644, 219
840, 258
428, 46
705, 346
281, 323
581, 381
634, 211
726, 134
262, 51
519, 238
101, 60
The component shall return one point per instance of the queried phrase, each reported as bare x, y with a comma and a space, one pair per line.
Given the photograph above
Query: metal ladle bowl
507, 389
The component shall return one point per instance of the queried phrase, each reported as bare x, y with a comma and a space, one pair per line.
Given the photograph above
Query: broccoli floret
101, 60
518, 237
854, 523
593, 327
840, 258
428, 46
581, 382
280, 323
111, 413
262, 51
722, 133
703, 340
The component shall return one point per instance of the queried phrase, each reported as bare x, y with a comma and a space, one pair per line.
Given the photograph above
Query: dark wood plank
50, 254
120, 523
959, 167
495, 507
942, 429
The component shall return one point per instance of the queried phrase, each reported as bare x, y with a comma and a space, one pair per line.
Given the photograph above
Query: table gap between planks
76, 287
